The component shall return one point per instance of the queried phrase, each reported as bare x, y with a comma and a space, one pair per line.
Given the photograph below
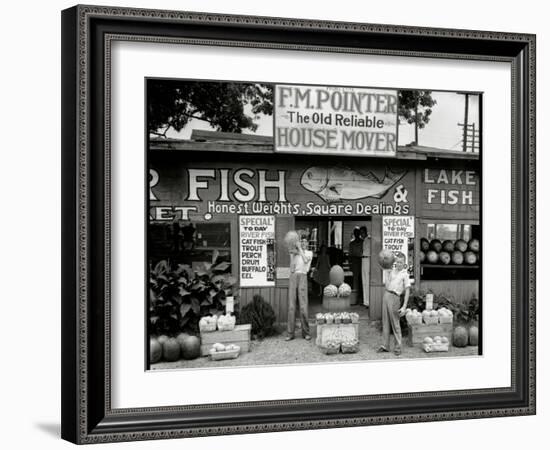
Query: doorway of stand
330, 239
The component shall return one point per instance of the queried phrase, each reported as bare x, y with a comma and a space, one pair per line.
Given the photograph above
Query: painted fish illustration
337, 183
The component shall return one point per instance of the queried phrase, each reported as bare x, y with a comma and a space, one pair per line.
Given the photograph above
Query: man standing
299, 268
355, 254
365, 265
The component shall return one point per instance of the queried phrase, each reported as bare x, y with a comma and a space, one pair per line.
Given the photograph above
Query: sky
441, 132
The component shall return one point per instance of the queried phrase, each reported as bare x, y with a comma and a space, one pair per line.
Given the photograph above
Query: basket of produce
208, 324
320, 318
329, 318
445, 315
437, 344
219, 351
413, 317
226, 322
346, 317
350, 346
330, 348
337, 318
354, 317
430, 317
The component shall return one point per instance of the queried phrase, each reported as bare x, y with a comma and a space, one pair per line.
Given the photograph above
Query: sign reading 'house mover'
335, 120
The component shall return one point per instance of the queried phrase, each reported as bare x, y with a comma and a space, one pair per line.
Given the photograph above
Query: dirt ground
276, 351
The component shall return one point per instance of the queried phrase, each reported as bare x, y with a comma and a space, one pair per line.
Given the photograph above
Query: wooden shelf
449, 266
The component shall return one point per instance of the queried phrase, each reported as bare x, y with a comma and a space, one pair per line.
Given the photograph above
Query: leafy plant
260, 315
179, 297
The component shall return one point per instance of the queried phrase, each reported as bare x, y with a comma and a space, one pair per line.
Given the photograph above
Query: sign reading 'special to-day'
257, 251
396, 231
335, 120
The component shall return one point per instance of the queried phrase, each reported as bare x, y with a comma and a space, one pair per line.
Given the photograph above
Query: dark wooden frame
87, 32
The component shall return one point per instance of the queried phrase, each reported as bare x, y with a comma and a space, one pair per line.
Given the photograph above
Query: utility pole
465, 129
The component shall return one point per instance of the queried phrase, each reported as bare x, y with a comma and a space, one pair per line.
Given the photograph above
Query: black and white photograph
306, 224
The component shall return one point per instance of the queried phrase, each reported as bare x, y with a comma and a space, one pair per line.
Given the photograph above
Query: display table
337, 304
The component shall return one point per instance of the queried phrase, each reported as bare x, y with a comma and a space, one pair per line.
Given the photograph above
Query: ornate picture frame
88, 33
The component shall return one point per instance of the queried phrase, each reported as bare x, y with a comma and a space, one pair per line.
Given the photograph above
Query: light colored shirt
366, 247
397, 281
298, 264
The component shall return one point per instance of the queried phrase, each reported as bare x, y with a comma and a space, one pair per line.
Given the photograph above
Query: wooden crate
327, 331
336, 304
240, 335
418, 332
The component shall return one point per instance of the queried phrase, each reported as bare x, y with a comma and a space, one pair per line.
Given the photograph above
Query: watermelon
473, 245
448, 246
422, 256
432, 257
336, 275
171, 350
435, 245
460, 337
457, 257
191, 347
155, 350
461, 245
473, 335
444, 258
386, 258
424, 245
470, 258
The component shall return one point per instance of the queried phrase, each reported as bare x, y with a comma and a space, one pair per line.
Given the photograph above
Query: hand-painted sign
257, 251
396, 231
184, 192
335, 120
455, 190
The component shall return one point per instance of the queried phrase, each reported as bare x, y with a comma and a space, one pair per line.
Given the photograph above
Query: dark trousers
356, 265
390, 319
297, 283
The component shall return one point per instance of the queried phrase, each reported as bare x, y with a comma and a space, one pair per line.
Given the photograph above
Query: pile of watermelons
447, 252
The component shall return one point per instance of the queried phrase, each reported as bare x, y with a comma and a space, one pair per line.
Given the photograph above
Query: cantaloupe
460, 337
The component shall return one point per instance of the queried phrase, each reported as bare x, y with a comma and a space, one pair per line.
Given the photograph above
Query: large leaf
184, 309
195, 305
221, 267
183, 292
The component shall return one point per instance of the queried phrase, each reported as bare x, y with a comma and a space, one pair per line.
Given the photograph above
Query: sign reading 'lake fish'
335, 120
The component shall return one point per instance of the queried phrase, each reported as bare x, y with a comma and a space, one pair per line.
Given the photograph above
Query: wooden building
208, 182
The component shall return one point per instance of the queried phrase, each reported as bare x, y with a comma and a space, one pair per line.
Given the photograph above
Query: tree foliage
416, 108
173, 104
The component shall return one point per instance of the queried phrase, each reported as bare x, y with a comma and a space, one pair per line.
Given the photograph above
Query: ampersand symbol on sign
400, 195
